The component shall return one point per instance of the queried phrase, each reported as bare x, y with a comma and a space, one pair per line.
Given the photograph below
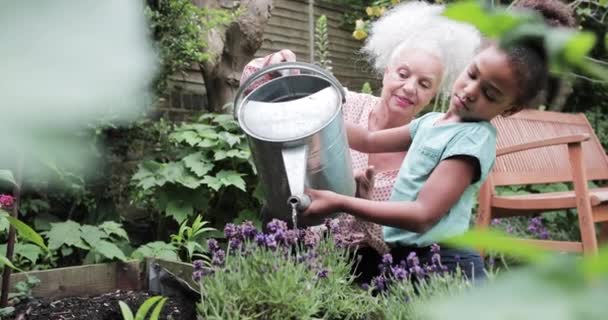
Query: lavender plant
281, 274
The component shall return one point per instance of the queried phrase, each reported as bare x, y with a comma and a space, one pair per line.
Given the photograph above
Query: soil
103, 307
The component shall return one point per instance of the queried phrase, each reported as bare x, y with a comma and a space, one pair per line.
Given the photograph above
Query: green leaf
212, 182
231, 177
207, 143
126, 312
578, 47
7, 175
190, 137
92, 235
494, 241
157, 249
159, 307
27, 233
491, 24
109, 250
189, 181
65, 233
28, 251
198, 164
179, 210
230, 138
4, 224
172, 171
4, 261
112, 227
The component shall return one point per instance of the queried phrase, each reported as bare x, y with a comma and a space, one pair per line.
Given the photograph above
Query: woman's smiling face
410, 82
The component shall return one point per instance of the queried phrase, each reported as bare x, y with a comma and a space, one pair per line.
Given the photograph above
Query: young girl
449, 156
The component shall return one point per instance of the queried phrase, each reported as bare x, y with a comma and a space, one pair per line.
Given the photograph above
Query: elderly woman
419, 53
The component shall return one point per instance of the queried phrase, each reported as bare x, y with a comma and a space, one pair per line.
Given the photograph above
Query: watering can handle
286, 65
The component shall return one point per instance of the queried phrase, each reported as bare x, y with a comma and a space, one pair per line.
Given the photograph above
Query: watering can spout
294, 160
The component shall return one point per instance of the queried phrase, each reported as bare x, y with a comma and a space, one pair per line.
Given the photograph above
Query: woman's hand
323, 203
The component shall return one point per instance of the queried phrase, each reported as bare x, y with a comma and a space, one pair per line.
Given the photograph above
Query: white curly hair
419, 25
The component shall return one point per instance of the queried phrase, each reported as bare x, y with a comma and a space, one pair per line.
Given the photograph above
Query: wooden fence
291, 26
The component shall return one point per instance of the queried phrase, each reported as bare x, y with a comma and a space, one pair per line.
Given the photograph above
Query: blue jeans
470, 261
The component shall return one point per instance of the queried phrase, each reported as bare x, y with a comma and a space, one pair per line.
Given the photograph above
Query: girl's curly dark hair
555, 12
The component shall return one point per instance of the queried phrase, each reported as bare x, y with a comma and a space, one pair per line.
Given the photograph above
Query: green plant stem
10, 246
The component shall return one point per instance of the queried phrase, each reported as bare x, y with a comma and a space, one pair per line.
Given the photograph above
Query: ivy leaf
179, 210
110, 250
190, 137
7, 175
112, 227
65, 233
231, 177
92, 235
196, 162
207, 143
157, 249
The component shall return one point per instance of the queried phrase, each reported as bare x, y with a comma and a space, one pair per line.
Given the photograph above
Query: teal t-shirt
431, 144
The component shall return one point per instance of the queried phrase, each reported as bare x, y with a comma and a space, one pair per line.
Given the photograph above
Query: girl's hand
323, 204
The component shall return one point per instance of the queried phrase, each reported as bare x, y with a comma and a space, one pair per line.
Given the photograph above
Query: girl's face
487, 88
410, 82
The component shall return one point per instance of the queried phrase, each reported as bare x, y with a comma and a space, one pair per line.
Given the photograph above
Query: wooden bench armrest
575, 138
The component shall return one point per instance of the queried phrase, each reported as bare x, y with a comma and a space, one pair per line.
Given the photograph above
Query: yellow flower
360, 24
359, 34
369, 11
395, 1
378, 11
382, 11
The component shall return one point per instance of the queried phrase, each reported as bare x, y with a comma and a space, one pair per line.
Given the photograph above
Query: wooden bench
536, 147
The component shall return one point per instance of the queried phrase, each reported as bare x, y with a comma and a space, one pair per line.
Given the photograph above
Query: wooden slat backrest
548, 164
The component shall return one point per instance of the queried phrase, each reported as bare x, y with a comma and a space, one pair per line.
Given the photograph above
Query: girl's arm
440, 192
388, 140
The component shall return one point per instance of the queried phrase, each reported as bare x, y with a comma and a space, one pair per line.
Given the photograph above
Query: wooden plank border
87, 280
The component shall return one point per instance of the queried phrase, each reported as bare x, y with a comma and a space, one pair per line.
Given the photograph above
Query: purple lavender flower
436, 259
387, 259
249, 230
198, 265
279, 235
275, 225
235, 244
412, 259
270, 242
544, 234
310, 238
380, 283
260, 239
509, 229
231, 231
212, 245
435, 248
333, 225
495, 222
197, 275
417, 271
219, 257
365, 286
399, 273
291, 237
322, 274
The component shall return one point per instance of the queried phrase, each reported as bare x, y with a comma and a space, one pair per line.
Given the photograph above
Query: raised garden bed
92, 292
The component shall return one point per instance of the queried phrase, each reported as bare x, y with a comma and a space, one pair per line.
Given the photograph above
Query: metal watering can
297, 137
